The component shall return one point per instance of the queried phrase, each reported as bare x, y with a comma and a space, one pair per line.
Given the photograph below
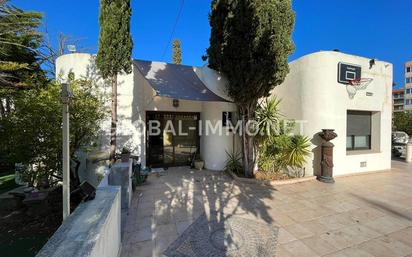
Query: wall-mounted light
175, 103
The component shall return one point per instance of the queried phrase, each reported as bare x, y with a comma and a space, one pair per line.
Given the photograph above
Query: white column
409, 151
214, 146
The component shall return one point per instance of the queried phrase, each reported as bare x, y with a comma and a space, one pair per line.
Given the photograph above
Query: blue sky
372, 28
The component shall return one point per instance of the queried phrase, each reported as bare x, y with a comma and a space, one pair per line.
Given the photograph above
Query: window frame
353, 148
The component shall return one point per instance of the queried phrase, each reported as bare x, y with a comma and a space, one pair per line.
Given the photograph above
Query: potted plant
125, 154
199, 164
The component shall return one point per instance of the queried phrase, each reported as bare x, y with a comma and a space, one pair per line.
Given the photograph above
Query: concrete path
365, 215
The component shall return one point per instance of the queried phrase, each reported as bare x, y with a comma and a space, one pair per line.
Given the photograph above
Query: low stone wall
120, 175
92, 230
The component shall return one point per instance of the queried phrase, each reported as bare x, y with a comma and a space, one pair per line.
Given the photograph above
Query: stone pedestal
327, 156
120, 175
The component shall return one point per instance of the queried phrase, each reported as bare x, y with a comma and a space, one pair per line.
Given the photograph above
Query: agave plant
277, 149
268, 118
296, 153
234, 163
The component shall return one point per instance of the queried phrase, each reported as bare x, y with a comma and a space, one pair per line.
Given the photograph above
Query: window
408, 101
358, 131
408, 90
408, 80
408, 69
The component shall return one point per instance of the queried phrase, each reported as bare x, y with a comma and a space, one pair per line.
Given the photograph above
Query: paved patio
365, 215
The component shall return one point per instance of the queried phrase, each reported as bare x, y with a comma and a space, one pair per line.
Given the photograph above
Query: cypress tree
115, 50
250, 43
177, 52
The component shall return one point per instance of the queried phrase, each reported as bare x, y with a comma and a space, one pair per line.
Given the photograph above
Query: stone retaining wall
92, 230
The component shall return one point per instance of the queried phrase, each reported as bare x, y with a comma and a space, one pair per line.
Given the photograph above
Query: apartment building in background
408, 86
398, 96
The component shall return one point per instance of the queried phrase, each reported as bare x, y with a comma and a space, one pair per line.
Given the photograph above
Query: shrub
278, 150
234, 163
295, 154
402, 121
32, 133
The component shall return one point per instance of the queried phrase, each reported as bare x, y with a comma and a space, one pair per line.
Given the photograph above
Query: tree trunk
114, 120
2, 110
8, 106
249, 160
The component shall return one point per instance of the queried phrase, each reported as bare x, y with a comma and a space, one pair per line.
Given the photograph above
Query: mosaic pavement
234, 236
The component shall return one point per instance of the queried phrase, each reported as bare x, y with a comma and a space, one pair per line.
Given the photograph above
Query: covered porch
183, 101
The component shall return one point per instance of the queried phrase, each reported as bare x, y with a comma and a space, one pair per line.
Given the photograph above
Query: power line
182, 3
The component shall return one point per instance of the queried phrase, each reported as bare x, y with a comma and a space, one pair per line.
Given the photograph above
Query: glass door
185, 143
154, 145
178, 141
168, 138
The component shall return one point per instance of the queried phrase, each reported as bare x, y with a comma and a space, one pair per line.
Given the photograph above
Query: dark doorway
172, 146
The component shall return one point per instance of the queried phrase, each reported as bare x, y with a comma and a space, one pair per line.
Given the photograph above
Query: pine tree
19, 44
250, 43
115, 50
177, 52
20, 59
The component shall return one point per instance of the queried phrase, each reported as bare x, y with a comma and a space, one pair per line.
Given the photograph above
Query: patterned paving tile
365, 216
232, 236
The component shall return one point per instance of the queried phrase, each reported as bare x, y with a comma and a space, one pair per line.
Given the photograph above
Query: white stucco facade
136, 97
311, 94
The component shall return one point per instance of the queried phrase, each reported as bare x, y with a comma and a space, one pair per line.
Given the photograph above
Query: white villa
315, 93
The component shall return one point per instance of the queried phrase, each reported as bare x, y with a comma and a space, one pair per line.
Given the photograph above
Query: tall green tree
402, 121
250, 43
20, 62
177, 52
115, 50
32, 134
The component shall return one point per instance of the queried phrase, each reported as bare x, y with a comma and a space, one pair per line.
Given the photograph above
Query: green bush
402, 121
278, 149
234, 163
32, 132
